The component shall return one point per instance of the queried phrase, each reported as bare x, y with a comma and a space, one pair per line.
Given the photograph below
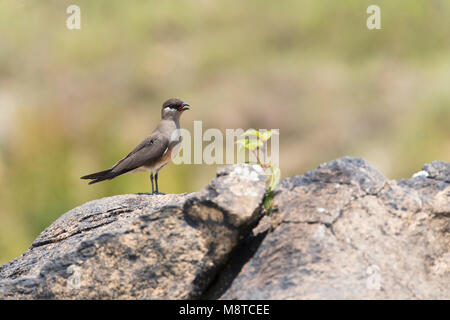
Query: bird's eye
171, 106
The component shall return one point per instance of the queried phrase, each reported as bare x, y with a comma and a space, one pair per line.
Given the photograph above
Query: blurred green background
75, 101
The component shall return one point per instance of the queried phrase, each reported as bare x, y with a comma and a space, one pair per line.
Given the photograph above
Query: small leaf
275, 178
268, 202
242, 143
267, 134
253, 144
251, 132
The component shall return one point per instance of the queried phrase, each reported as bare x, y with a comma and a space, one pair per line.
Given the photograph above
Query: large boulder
140, 246
341, 231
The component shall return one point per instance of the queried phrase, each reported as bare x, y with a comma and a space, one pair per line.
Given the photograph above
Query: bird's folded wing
147, 152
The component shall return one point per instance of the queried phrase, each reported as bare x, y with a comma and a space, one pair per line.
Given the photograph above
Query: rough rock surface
341, 231
140, 246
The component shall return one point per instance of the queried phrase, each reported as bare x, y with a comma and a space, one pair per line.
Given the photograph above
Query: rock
341, 231
438, 170
139, 246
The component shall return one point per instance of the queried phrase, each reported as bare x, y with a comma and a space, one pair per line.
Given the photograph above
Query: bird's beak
185, 107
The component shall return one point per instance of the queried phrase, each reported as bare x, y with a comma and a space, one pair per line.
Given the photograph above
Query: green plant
258, 144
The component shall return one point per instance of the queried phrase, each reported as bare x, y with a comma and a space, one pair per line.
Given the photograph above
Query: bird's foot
158, 193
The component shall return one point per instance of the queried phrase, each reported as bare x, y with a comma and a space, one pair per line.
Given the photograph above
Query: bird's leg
156, 182
151, 179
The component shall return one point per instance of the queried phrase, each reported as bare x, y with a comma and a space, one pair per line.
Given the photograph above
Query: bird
154, 152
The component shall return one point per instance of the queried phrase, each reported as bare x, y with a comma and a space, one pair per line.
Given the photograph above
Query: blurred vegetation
75, 101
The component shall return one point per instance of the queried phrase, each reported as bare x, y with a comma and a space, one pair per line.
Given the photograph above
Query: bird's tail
99, 176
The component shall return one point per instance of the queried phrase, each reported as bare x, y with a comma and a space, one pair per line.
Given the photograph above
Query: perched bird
154, 152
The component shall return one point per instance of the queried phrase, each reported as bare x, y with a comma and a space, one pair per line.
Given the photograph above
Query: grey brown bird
154, 152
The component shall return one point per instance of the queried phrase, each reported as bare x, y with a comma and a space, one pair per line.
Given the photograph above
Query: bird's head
173, 108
